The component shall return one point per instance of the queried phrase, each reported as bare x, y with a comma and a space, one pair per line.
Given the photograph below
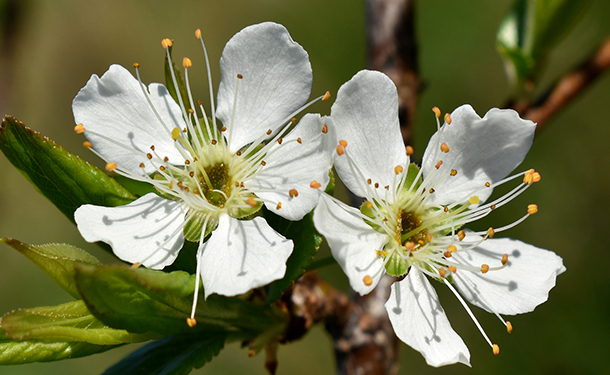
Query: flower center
215, 183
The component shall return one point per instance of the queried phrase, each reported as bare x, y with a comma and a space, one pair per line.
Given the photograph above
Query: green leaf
171, 86
19, 352
306, 244
175, 355
69, 322
141, 300
530, 30
64, 178
56, 260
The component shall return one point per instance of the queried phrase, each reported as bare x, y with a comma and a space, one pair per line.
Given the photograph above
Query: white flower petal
242, 255
481, 150
419, 320
147, 230
276, 81
365, 115
294, 165
120, 123
519, 287
352, 242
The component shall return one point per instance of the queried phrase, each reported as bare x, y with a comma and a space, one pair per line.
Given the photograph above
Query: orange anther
447, 254
239, 76
79, 129
135, 265
444, 147
409, 245
409, 150
149, 156
326, 96
484, 268
279, 205
442, 272
198, 33
299, 140
340, 150
280, 140
269, 132
452, 269
87, 144
315, 184
528, 179
224, 129
136, 65
367, 280
509, 327
251, 201
263, 163
536, 176
166, 43
532, 209
111, 167
191, 322
293, 193
438, 165
496, 349
490, 232
452, 248
487, 184
504, 259
398, 169
431, 190
453, 172
447, 118
461, 235
294, 120
343, 143
324, 129
186, 62
437, 112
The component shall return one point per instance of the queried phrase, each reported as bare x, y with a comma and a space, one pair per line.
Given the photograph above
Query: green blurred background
50, 48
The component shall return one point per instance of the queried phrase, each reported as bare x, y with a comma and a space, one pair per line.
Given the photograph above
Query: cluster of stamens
428, 236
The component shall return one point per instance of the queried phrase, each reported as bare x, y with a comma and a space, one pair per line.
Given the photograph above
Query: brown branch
364, 340
392, 49
567, 88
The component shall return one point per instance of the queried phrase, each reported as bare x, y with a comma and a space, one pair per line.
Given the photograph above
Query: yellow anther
381, 253
198, 33
474, 199
186, 62
492, 207
442, 272
79, 129
530, 171
111, 167
293, 193
369, 181
326, 96
491, 232
438, 165
528, 179
136, 65
251, 201
496, 349
263, 163
398, 169
190, 111
409, 150
369, 205
487, 184
239, 76
315, 184
453, 172
461, 235
324, 129
191, 322
367, 280
162, 169
279, 205
504, 259
175, 134
452, 248
446, 209
532, 209
509, 327
343, 143
437, 112
452, 269
484, 268
447, 118
340, 150
166, 43
299, 140
149, 156
280, 140
87, 144
444, 147
294, 120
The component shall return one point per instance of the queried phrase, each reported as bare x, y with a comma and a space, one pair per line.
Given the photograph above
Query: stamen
324, 129
279, 205
315, 184
496, 349
293, 193
444, 147
367, 280
79, 129
453, 172
509, 327
87, 144
409, 150
166, 43
484, 268
447, 118
398, 169
326, 96
111, 167
186, 62
504, 259
532, 209
437, 112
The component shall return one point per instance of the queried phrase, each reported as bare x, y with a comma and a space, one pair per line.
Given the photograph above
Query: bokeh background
51, 47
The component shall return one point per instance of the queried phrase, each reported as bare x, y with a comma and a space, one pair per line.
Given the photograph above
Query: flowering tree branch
566, 89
